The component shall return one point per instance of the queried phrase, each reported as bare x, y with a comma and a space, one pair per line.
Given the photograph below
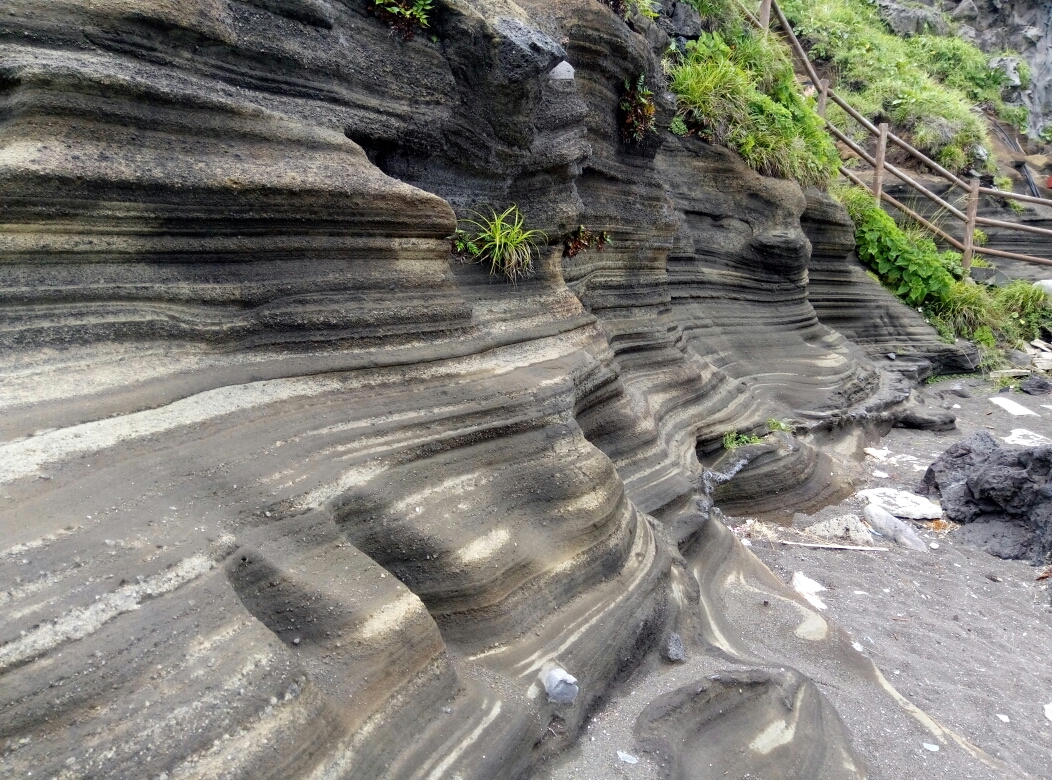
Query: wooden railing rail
879, 163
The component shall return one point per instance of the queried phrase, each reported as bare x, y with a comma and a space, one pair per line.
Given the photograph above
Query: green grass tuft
736, 87
732, 440
501, 240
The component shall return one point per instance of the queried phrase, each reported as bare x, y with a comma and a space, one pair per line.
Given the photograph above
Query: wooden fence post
765, 14
878, 166
969, 226
823, 97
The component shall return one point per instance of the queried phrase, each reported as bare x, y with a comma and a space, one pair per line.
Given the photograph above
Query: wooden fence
877, 160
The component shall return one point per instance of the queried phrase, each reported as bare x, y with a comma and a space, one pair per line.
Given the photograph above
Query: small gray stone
960, 391
1017, 358
674, 650
892, 356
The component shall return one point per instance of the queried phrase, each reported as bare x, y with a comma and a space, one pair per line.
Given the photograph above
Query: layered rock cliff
290, 492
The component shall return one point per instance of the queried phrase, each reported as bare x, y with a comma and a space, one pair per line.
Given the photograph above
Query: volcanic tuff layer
287, 492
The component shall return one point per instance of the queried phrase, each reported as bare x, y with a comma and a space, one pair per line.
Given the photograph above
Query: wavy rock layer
287, 491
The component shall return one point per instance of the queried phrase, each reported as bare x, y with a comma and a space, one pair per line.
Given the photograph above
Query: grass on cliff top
910, 265
925, 86
736, 87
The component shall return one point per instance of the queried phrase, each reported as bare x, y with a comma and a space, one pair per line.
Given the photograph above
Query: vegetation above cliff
909, 264
736, 87
924, 86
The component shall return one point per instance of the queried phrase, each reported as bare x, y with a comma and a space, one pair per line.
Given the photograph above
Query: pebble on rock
561, 686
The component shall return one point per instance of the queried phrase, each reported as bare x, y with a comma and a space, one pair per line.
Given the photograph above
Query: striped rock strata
288, 492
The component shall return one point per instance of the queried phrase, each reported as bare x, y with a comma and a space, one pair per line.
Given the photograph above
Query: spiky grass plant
503, 242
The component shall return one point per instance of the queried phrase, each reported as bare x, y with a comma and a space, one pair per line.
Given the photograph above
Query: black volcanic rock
979, 481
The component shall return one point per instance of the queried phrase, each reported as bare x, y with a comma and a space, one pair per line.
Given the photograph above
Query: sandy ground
964, 636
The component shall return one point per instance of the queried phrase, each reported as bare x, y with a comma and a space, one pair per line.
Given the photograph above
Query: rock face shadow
749, 724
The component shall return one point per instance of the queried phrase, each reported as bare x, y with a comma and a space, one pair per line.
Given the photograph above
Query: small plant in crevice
778, 425
463, 245
638, 112
624, 8
678, 127
581, 239
732, 440
501, 240
406, 16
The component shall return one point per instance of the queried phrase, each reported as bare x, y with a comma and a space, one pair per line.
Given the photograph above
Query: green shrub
1025, 74
501, 240
911, 266
737, 88
677, 126
624, 8
732, 440
637, 110
913, 269
404, 15
1023, 309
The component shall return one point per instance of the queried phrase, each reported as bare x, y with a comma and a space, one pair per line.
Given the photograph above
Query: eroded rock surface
287, 491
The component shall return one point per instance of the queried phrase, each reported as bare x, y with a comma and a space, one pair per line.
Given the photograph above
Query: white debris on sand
628, 758
902, 504
1012, 407
848, 527
1025, 438
889, 526
809, 589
